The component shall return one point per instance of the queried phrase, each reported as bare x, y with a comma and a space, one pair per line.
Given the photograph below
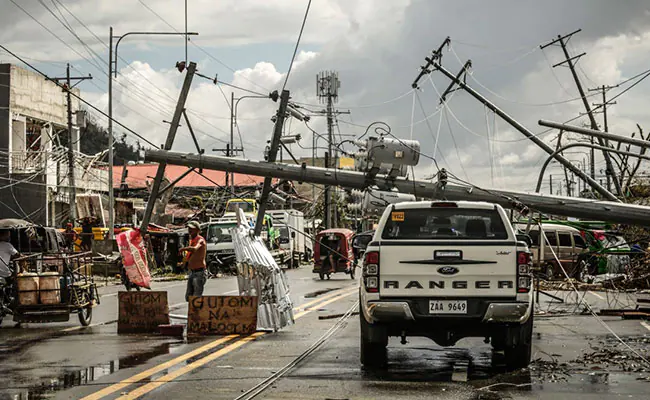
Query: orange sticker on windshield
397, 216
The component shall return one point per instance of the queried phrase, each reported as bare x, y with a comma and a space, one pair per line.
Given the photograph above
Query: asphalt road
576, 356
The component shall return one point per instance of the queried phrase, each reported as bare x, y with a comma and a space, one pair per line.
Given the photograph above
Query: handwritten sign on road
221, 315
142, 312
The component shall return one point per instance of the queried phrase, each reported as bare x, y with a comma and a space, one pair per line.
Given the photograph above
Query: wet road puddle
48, 387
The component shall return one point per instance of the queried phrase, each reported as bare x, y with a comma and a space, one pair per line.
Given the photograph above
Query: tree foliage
94, 139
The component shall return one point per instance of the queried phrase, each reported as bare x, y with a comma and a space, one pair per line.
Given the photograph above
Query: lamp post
112, 72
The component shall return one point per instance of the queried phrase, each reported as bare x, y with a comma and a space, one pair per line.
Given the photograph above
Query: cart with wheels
50, 287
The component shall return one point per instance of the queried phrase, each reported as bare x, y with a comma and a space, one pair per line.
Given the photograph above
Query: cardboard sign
142, 312
222, 315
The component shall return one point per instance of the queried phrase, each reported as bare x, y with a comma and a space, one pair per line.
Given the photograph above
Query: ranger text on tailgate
446, 271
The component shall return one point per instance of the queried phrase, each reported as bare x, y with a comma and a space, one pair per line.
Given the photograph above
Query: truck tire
373, 353
518, 354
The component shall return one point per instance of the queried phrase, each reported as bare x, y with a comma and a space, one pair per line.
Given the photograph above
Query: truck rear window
444, 223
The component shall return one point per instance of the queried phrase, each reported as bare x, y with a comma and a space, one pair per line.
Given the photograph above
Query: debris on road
259, 275
333, 316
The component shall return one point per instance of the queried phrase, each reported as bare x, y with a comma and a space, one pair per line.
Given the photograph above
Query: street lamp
112, 70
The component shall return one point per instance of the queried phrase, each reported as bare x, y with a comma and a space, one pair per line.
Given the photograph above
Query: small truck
446, 271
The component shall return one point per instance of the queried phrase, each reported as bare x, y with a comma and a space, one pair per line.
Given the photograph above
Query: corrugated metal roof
140, 174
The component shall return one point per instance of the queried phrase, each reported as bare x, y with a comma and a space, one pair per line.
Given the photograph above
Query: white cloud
377, 48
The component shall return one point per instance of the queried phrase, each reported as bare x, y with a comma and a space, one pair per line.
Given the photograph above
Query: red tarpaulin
134, 257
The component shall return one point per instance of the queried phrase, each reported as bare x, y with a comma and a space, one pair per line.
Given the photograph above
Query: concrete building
33, 162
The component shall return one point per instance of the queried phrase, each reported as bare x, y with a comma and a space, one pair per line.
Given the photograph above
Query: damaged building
33, 146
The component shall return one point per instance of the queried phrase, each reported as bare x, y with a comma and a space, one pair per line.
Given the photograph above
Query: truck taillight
371, 272
524, 264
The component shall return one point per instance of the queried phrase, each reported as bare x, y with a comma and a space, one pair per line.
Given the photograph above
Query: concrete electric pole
556, 205
594, 125
171, 135
327, 85
71, 139
604, 105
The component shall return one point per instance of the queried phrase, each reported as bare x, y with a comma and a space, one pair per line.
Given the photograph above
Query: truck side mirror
293, 235
525, 238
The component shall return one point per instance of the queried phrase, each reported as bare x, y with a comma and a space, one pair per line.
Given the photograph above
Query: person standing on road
196, 261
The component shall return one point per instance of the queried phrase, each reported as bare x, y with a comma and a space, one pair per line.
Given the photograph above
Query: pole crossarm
593, 146
556, 205
530, 135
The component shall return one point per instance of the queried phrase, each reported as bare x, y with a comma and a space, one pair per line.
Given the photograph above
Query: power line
196, 45
517, 101
77, 96
295, 50
451, 133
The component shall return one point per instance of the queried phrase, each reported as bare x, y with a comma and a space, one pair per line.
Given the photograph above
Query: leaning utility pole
71, 141
273, 153
434, 63
327, 85
171, 135
594, 125
603, 105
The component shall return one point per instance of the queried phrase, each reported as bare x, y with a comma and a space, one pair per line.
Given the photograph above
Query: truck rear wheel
373, 353
518, 354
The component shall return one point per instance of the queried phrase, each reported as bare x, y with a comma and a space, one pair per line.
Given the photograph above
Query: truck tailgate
448, 269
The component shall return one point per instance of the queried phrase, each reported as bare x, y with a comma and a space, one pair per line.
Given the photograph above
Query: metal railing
28, 161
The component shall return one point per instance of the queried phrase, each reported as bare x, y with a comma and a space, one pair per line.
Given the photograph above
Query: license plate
447, 306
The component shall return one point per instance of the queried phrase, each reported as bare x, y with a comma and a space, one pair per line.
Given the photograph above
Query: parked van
567, 243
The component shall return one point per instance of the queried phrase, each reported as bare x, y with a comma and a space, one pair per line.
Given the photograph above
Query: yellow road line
145, 374
335, 293
305, 312
141, 391
330, 298
182, 371
645, 325
596, 295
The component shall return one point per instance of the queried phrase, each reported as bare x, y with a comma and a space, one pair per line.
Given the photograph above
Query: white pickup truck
446, 271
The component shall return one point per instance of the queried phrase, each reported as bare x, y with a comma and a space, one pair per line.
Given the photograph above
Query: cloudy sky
376, 47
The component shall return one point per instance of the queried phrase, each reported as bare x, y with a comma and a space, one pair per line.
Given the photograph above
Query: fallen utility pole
530, 135
273, 153
590, 132
171, 135
568, 206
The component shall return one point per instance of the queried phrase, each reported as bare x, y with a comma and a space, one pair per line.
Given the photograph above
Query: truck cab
446, 271
249, 206
220, 247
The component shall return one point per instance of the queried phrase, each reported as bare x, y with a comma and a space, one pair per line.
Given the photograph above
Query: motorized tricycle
333, 253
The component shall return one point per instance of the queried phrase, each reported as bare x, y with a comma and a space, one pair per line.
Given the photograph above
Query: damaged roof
140, 174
